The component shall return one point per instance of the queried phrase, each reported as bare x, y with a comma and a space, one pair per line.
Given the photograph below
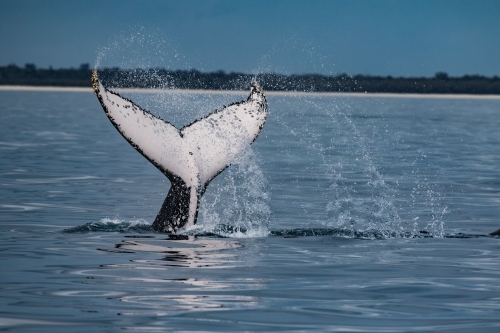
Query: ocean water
349, 213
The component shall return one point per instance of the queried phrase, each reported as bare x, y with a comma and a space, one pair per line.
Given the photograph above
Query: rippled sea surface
352, 214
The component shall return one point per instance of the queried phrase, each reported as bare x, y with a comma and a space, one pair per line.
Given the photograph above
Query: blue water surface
353, 214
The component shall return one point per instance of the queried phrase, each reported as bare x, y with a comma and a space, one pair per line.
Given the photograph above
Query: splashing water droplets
328, 149
358, 196
238, 203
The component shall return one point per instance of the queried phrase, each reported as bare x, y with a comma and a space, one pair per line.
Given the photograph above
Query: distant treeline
441, 83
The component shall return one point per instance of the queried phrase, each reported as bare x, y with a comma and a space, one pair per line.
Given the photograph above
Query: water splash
358, 196
375, 212
239, 197
140, 48
361, 198
113, 225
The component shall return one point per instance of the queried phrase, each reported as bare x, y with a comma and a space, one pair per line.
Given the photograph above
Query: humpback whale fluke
190, 157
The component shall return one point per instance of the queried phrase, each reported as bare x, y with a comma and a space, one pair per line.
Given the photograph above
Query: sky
384, 37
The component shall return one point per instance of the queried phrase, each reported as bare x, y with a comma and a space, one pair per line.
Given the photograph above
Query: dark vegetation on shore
441, 83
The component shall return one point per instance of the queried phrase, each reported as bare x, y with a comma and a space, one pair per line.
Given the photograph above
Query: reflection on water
183, 251
164, 303
154, 258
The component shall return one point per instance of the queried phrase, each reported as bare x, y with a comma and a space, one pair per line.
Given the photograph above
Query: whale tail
189, 157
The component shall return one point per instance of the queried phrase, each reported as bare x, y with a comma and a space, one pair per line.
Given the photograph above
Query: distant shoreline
243, 92
161, 78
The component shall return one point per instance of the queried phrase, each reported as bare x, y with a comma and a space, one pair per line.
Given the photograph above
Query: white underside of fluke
197, 152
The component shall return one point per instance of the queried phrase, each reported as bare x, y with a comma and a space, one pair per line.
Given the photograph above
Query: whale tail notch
189, 157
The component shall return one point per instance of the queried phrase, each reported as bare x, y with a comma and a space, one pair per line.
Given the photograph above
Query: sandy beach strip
243, 92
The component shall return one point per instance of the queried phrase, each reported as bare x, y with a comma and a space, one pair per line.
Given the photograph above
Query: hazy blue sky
357, 37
